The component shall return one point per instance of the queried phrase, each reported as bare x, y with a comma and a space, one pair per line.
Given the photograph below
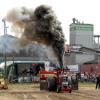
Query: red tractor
58, 80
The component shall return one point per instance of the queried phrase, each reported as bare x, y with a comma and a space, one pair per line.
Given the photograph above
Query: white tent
2, 65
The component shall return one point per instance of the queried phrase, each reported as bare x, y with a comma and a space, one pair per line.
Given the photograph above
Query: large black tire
75, 84
51, 83
43, 85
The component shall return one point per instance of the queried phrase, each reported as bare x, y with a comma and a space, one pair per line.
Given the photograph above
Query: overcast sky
83, 10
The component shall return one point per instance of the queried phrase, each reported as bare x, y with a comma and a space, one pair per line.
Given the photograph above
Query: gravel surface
36, 94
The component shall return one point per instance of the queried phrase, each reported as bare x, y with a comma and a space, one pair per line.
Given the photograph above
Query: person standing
98, 82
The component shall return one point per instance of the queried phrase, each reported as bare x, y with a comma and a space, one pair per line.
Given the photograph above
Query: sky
87, 11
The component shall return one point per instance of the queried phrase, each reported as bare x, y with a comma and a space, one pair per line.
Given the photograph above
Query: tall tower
81, 34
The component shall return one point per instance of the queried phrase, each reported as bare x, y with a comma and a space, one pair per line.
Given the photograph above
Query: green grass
31, 86
25, 86
3, 94
86, 84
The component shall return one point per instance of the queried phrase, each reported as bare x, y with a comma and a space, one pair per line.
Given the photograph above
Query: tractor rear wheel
43, 85
51, 83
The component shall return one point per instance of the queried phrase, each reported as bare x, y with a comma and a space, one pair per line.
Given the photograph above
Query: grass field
86, 84
25, 86
30, 86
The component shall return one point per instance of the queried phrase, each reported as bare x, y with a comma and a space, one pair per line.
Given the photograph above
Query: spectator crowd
88, 77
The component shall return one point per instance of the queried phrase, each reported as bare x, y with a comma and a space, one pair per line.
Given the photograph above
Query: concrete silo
81, 34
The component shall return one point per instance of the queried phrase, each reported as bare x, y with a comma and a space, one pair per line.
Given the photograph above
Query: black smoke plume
41, 26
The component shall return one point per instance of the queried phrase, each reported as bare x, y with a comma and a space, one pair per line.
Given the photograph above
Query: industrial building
82, 34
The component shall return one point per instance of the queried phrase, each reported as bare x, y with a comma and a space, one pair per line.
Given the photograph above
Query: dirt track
82, 94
